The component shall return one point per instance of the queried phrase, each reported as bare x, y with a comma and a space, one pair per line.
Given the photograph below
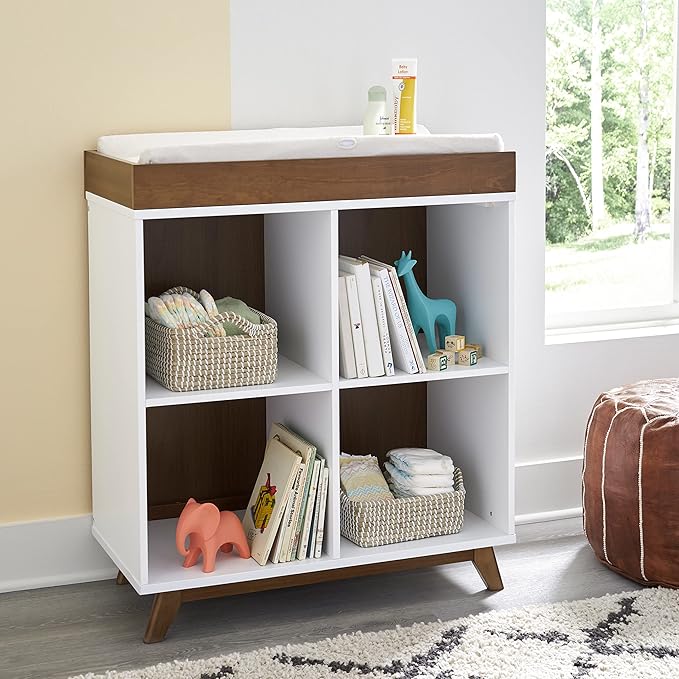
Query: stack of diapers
418, 471
184, 311
361, 478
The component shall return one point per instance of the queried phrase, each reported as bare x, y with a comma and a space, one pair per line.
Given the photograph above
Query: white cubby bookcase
153, 448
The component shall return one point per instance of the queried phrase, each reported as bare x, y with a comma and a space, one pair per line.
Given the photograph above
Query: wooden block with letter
437, 361
454, 342
476, 348
466, 357
450, 354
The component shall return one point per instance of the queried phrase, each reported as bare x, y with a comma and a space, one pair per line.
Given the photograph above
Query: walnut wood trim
160, 186
109, 178
316, 577
163, 612
486, 566
166, 604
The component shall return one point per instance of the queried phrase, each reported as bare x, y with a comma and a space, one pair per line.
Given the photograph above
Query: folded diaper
185, 321
420, 461
208, 301
361, 478
419, 480
158, 311
406, 491
185, 311
195, 308
169, 303
194, 318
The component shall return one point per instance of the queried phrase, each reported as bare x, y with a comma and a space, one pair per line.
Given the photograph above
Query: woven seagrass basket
184, 359
382, 522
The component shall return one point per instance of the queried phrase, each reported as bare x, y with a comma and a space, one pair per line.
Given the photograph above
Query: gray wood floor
61, 631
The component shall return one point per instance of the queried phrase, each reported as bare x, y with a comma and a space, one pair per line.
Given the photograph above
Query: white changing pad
286, 144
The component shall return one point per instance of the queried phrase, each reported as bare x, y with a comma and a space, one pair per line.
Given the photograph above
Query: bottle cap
377, 93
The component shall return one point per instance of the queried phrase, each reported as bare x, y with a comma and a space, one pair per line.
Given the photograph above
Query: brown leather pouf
631, 481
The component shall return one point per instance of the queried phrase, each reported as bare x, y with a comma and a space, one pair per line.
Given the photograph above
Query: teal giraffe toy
426, 313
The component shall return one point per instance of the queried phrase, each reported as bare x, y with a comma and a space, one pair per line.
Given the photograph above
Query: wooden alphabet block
437, 361
467, 357
455, 342
450, 355
476, 348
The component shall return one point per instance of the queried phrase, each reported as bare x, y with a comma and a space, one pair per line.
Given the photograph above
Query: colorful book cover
267, 502
307, 450
286, 522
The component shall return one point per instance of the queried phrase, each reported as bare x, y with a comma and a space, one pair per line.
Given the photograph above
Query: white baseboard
51, 552
555, 515
548, 489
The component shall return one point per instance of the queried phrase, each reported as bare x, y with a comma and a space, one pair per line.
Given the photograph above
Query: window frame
557, 323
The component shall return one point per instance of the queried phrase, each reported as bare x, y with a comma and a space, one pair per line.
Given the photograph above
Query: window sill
613, 331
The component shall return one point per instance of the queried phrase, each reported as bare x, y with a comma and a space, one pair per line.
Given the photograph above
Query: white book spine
408, 323
356, 326
382, 325
321, 516
371, 336
346, 343
309, 512
314, 523
295, 501
401, 348
291, 554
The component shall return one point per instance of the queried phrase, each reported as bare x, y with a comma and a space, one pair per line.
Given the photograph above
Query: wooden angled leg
486, 565
163, 612
121, 579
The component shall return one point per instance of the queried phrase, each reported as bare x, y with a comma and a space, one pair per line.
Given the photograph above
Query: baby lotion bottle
404, 79
376, 120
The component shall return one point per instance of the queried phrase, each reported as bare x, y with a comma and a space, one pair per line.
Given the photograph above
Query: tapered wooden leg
121, 579
163, 612
486, 565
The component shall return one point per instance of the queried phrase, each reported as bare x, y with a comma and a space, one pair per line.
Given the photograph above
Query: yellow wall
69, 72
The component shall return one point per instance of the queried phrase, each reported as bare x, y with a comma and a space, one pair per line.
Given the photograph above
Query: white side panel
117, 375
312, 416
469, 421
301, 291
468, 260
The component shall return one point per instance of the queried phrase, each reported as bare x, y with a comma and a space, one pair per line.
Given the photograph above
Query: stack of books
376, 334
285, 518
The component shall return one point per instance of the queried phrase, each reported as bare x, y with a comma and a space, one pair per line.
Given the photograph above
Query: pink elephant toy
209, 530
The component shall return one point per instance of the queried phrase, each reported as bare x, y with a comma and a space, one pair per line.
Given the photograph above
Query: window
609, 158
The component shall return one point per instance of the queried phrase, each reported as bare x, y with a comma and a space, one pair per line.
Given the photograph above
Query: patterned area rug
632, 635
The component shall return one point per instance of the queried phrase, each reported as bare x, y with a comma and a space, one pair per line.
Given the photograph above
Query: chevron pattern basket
383, 522
184, 359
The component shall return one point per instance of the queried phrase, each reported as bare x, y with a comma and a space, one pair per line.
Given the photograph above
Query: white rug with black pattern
631, 635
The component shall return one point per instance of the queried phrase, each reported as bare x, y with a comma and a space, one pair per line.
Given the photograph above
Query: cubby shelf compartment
486, 366
166, 572
291, 379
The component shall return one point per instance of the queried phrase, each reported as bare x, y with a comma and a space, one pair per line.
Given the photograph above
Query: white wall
481, 68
